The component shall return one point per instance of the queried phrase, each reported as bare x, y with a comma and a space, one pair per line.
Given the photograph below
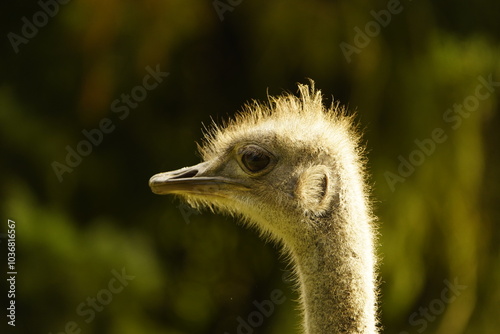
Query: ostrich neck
336, 275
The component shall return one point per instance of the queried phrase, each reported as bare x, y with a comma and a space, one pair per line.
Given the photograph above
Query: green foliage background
199, 274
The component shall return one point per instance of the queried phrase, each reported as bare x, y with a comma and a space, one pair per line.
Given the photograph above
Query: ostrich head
294, 169
274, 163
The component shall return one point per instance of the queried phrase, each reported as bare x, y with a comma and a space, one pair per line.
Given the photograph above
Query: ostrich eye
254, 158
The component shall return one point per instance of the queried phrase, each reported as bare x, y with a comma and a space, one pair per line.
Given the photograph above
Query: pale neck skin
336, 275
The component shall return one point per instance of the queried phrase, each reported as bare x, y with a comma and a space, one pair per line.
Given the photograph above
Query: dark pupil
255, 161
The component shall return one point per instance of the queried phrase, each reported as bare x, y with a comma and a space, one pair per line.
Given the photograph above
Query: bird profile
295, 170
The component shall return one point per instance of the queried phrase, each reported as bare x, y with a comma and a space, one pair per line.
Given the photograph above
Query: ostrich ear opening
313, 189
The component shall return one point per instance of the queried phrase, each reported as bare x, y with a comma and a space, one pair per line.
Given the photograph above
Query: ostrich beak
193, 180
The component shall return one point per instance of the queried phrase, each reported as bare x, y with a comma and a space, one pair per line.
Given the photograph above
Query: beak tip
154, 182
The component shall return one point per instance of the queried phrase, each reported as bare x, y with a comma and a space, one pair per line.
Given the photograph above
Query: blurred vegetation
199, 274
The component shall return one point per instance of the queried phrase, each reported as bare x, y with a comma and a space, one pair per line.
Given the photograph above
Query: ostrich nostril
186, 174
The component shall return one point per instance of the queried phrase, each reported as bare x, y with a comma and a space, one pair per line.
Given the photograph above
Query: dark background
199, 272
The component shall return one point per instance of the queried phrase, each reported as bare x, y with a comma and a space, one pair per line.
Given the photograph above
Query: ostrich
295, 170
